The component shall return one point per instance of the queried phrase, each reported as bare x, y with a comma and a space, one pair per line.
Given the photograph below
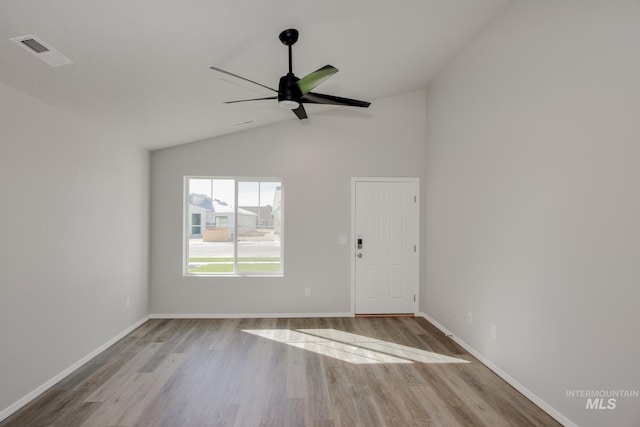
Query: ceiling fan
293, 92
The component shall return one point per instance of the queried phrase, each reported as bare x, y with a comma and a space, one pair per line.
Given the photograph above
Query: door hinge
415, 199
414, 297
415, 248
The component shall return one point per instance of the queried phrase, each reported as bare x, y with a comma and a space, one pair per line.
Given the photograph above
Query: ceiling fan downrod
289, 38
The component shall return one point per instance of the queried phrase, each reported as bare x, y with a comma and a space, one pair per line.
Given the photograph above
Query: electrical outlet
307, 291
469, 317
494, 331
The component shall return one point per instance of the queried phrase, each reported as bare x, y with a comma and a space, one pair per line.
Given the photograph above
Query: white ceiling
141, 72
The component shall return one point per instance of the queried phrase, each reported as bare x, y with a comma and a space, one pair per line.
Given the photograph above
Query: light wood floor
283, 372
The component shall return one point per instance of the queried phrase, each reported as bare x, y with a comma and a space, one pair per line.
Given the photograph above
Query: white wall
316, 159
533, 201
73, 241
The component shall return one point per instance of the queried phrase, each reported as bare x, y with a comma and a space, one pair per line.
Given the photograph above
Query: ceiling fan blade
242, 78
320, 98
300, 112
310, 81
253, 99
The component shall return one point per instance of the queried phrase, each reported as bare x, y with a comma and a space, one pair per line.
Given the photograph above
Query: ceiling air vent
34, 45
42, 50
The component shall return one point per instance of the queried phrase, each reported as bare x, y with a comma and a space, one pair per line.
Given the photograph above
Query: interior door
386, 228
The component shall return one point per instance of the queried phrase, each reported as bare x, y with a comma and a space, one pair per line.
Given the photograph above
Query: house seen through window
233, 226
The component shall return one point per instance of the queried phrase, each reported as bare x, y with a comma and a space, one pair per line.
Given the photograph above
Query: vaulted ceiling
140, 69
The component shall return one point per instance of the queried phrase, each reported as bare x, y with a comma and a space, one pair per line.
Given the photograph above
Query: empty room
442, 231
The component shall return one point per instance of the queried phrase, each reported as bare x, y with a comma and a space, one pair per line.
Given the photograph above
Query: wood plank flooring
325, 372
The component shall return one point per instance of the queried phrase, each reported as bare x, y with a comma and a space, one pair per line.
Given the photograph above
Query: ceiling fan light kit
293, 92
288, 104
289, 93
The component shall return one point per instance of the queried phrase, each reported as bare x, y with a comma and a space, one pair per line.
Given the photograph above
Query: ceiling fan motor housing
289, 93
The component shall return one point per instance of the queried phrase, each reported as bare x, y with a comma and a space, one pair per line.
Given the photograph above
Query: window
234, 226
195, 224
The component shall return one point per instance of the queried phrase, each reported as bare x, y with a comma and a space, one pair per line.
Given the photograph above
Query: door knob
359, 255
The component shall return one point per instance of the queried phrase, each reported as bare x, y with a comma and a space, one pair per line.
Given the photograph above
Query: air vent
39, 48
34, 45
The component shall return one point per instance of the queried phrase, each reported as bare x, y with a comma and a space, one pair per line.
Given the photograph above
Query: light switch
342, 239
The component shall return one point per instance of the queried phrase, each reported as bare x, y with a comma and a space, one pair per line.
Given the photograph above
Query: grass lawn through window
225, 265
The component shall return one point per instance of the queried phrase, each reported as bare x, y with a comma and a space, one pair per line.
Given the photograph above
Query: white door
386, 236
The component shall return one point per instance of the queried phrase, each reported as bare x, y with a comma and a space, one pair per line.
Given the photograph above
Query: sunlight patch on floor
352, 348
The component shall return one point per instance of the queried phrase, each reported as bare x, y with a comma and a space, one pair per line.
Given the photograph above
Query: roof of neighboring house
214, 205
246, 212
264, 211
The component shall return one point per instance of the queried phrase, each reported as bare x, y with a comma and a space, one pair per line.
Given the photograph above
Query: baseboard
5, 413
246, 316
386, 315
512, 382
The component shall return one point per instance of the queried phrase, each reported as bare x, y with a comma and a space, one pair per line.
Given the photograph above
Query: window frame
186, 226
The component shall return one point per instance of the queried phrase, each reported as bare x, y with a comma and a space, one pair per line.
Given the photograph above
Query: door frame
352, 251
